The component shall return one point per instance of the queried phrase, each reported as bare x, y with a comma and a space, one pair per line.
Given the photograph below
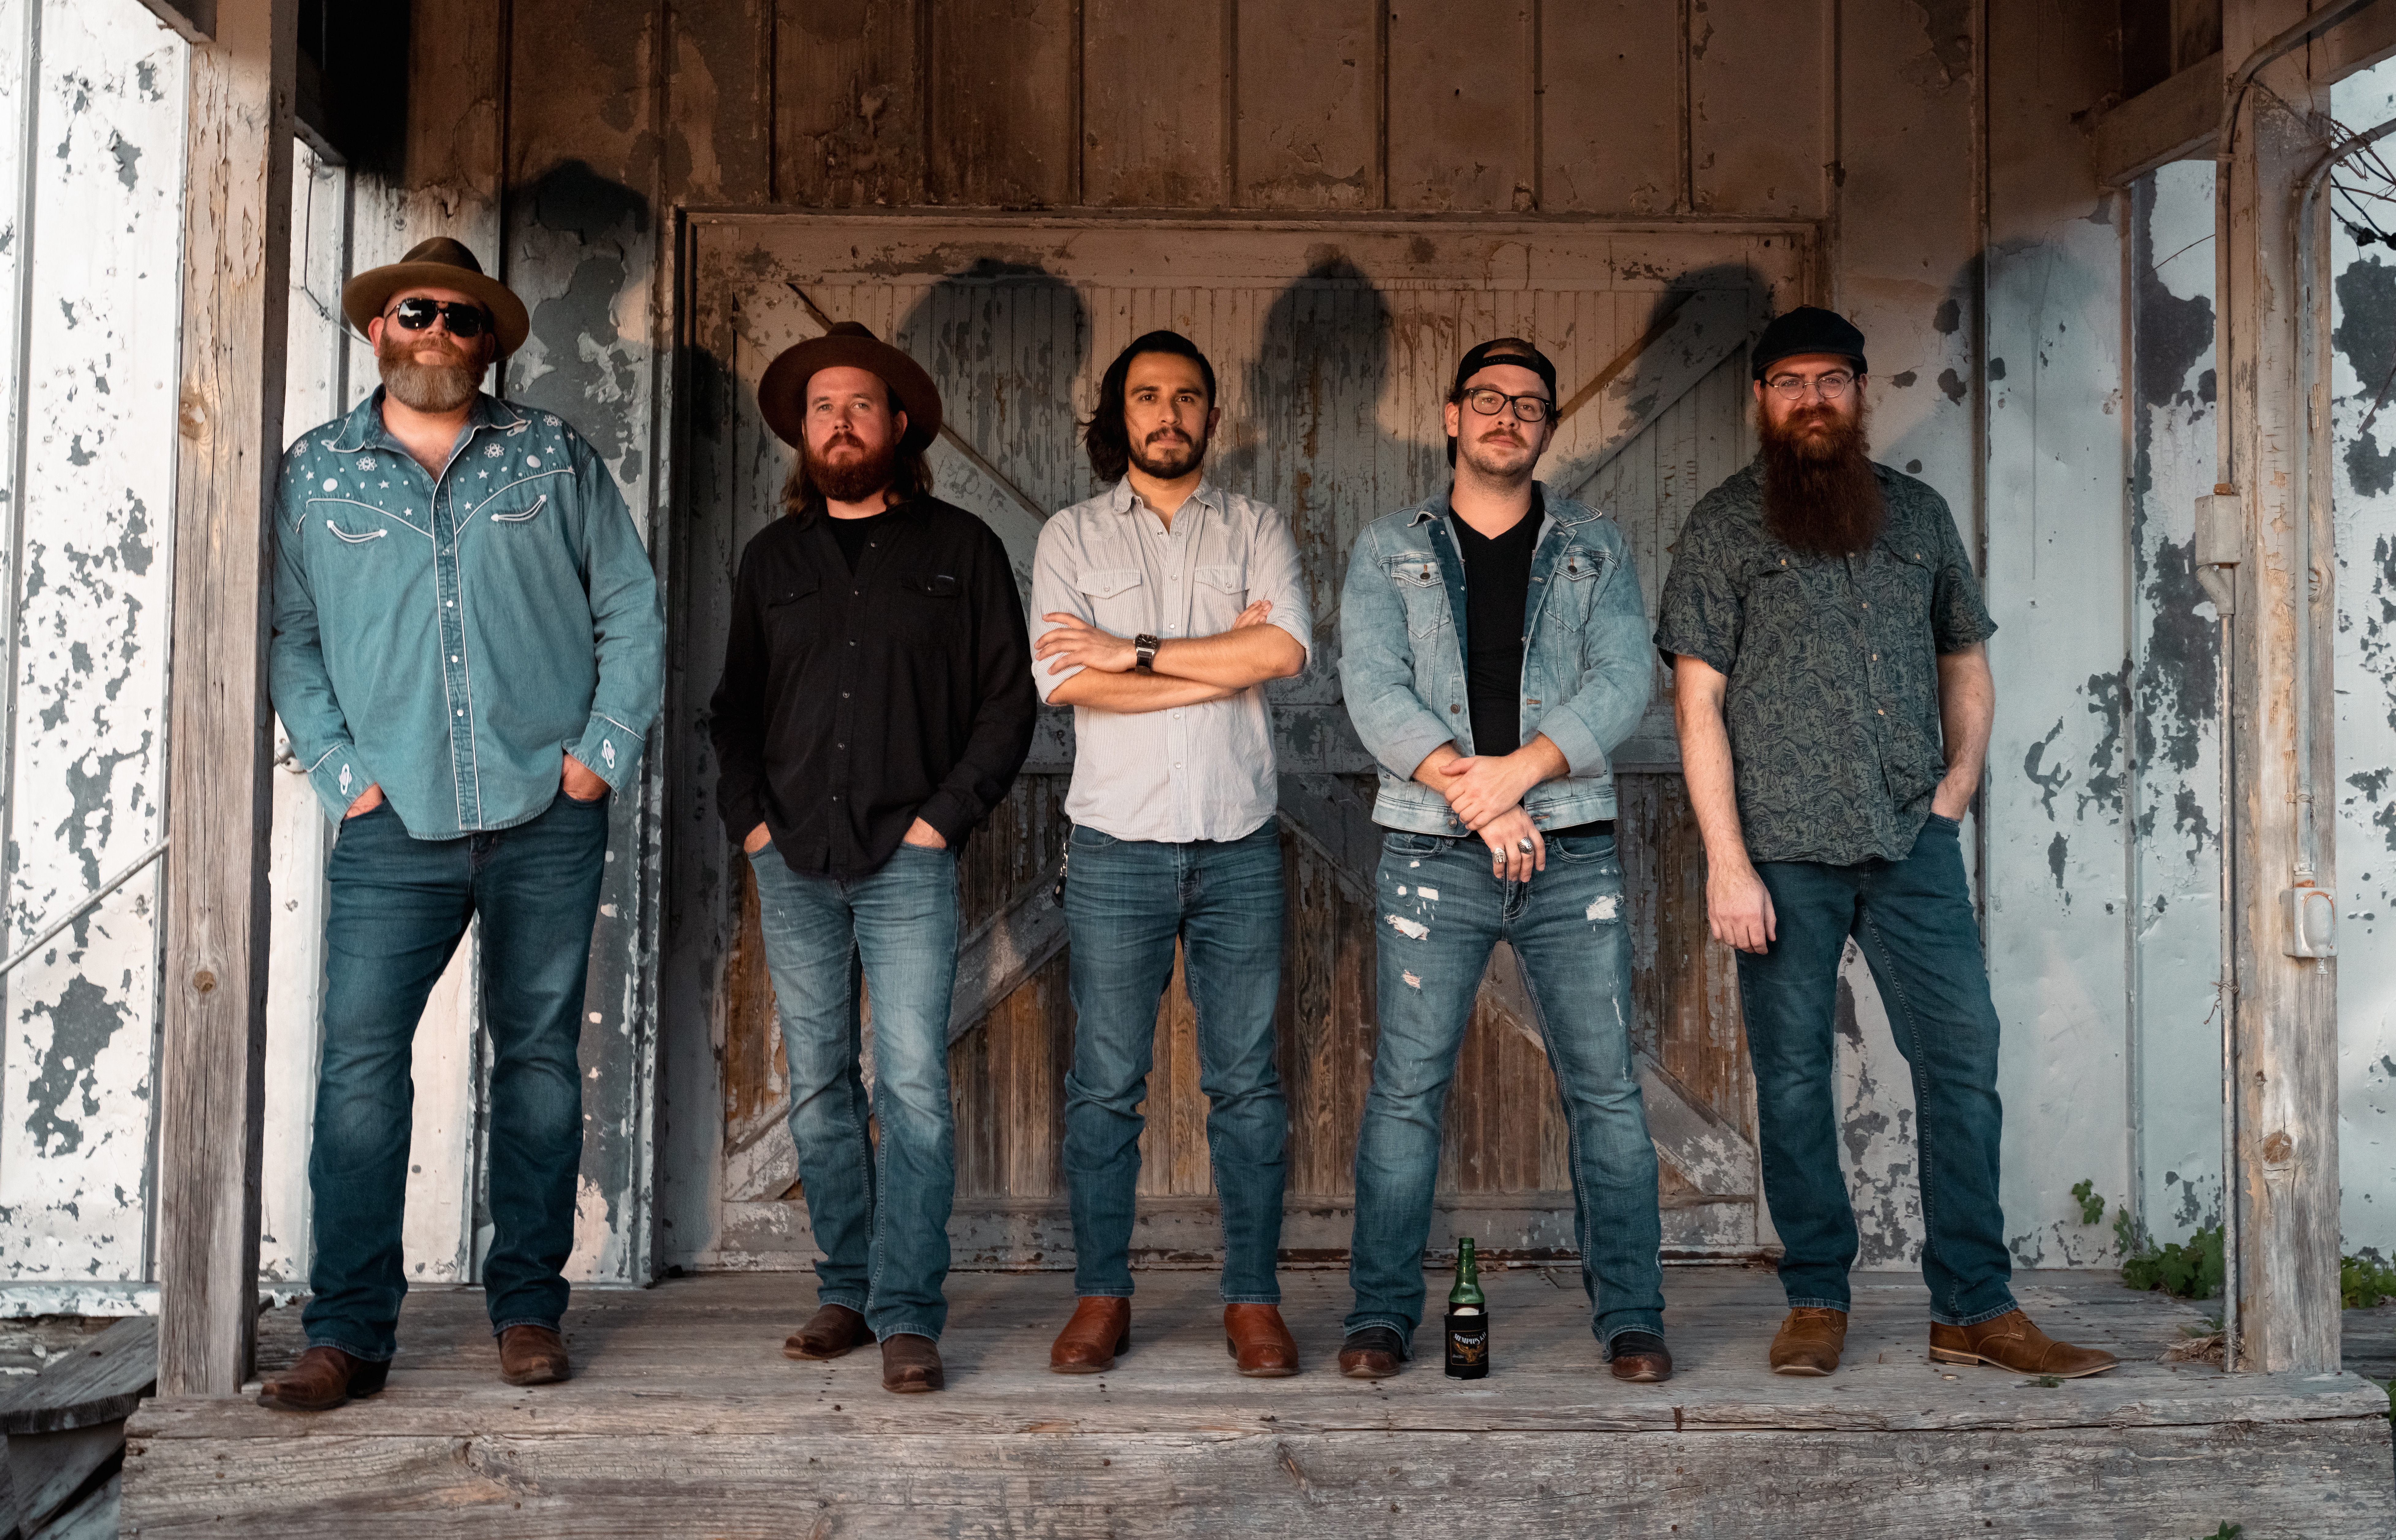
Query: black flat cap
1808, 329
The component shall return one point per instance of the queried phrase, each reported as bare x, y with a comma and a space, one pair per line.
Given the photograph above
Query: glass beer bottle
1468, 1318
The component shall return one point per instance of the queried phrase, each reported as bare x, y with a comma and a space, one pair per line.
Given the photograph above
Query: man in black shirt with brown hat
876, 703
1832, 685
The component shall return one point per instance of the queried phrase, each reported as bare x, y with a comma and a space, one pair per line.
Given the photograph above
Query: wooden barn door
1333, 345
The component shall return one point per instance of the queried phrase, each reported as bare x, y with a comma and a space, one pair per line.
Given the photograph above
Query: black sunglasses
465, 322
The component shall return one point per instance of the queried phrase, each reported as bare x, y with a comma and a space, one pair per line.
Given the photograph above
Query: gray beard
438, 389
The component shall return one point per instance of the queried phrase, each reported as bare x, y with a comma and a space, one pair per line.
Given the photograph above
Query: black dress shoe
1640, 1358
1376, 1352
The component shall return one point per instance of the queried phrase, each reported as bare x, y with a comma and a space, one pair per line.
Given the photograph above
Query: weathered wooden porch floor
684, 1420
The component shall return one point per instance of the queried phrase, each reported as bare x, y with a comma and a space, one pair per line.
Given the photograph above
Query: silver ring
1523, 845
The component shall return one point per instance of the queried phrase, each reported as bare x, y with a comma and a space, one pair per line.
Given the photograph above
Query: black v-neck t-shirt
1497, 599
851, 535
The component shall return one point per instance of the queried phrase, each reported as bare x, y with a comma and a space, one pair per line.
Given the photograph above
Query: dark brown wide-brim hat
782, 394
438, 263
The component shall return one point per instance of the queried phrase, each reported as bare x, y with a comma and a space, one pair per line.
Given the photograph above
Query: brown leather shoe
322, 1379
1100, 1329
532, 1355
830, 1332
1640, 1358
1376, 1352
2011, 1342
910, 1364
1257, 1339
1809, 1342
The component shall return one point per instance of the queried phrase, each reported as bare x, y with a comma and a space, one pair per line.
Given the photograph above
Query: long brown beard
435, 387
1820, 495
855, 480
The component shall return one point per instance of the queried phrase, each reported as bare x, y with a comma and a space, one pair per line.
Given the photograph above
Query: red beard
853, 481
1820, 493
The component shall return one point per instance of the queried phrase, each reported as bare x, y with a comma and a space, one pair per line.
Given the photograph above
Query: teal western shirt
450, 636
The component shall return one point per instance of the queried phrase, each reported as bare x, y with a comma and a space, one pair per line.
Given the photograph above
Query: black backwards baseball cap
1808, 329
1501, 350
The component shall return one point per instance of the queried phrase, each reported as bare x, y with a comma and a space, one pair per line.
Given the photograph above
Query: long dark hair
1104, 435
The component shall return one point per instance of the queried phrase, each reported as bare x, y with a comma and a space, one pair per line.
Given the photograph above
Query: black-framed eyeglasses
1490, 401
465, 322
1789, 386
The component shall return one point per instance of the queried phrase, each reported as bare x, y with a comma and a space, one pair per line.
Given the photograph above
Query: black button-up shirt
1832, 706
852, 704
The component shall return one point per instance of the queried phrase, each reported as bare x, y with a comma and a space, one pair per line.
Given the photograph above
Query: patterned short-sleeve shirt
1832, 706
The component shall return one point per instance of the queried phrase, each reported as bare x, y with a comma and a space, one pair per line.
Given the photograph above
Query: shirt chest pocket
1900, 586
522, 515
930, 607
1573, 585
1416, 578
794, 613
1223, 593
1118, 599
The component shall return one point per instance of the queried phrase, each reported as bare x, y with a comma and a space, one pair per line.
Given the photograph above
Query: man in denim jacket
467, 655
1494, 652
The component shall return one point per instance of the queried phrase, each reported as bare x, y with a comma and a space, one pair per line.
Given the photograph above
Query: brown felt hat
438, 263
782, 394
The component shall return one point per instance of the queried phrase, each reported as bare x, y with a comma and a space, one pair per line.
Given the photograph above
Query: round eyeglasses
1490, 401
1831, 387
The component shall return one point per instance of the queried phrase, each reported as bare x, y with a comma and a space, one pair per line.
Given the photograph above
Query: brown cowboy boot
1100, 1329
1259, 1341
532, 1355
910, 1364
830, 1332
1639, 1358
1809, 1342
2011, 1342
1372, 1353
322, 1379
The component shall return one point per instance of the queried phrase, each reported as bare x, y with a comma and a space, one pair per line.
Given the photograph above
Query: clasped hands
1485, 792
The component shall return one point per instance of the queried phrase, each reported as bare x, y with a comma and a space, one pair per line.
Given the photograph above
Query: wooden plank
1308, 129
848, 107
1155, 103
1745, 161
1003, 103
1461, 126
98, 1382
720, 125
1649, 378
237, 262
192, 20
1614, 122
2174, 121
46, 1470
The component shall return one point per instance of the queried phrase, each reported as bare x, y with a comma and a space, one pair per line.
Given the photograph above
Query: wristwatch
1143, 648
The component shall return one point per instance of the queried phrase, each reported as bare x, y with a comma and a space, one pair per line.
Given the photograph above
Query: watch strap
1144, 652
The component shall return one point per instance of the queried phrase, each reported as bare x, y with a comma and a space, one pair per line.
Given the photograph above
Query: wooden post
2287, 1186
236, 287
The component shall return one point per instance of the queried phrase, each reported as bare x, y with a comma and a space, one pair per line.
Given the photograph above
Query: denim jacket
452, 638
1587, 669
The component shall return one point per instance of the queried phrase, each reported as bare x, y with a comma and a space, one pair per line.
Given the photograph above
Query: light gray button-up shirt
1188, 772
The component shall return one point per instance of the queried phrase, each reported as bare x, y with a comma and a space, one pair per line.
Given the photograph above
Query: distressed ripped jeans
397, 909
1127, 901
879, 1206
1914, 922
1441, 914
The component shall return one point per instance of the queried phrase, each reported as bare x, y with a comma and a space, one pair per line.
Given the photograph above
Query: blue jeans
396, 910
1914, 922
879, 1206
1125, 901
1441, 914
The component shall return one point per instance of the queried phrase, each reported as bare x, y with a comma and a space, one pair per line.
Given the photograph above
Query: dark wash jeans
879, 1206
1441, 914
397, 908
1125, 901
1914, 922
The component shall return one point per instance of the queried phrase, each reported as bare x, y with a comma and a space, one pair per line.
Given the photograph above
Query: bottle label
1468, 1344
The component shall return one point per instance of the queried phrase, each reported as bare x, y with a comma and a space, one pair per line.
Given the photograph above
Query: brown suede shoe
910, 1364
322, 1379
532, 1355
1639, 1358
1809, 1342
1257, 1339
830, 1332
1374, 1353
1100, 1329
2011, 1342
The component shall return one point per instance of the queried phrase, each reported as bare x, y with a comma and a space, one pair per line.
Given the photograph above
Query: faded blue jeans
1914, 921
1125, 901
397, 909
878, 1207
1440, 915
